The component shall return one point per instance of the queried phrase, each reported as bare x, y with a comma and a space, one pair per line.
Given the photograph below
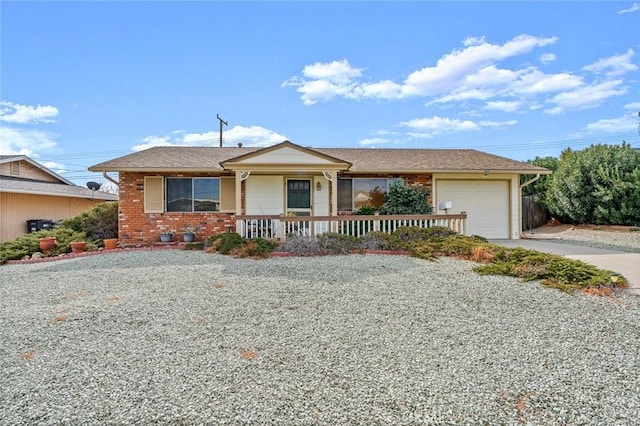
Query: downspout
110, 179
529, 182
522, 185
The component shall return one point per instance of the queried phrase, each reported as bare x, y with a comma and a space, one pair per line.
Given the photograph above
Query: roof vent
239, 144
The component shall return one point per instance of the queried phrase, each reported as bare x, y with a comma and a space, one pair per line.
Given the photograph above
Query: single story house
218, 189
30, 191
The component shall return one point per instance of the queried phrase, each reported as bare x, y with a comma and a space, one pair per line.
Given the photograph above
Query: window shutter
153, 194
228, 194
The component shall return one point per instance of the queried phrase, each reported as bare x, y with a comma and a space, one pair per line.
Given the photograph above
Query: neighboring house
174, 187
30, 191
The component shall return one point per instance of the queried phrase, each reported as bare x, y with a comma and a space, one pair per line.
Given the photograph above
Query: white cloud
151, 141
504, 106
325, 81
614, 125
248, 136
373, 141
535, 82
455, 66
547, 57
614, 65
488, 123
383, 90
25, 141
11, 112
461, 70
252, 136
435, 126
634, 8
586, 97
339, 72
439, 125
633, 105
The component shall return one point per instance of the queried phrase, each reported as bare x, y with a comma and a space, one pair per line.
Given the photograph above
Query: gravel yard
606, 237
188, 337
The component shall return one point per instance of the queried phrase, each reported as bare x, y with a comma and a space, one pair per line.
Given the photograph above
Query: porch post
240, 176
334, 193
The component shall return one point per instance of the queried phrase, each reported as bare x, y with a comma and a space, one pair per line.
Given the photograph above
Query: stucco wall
16, 209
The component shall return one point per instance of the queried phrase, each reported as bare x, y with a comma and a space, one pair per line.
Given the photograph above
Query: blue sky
84, 82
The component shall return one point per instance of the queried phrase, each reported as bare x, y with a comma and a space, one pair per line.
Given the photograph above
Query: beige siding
265, 195
228, 195
27, 171
16, 209
287, 155
506, 208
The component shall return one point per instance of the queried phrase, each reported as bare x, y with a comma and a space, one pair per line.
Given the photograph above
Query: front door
299, 197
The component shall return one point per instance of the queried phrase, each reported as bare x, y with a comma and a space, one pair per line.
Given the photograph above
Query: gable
287, 156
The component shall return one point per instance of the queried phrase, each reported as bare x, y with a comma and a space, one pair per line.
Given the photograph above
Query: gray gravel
188, 338
610, 240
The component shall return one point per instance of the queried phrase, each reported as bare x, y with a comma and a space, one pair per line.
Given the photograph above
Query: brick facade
137, 228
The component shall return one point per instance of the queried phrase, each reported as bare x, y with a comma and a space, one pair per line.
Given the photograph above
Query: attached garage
486, 203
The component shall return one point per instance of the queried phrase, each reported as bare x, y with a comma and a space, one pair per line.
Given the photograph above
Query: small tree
600, 184
401, 199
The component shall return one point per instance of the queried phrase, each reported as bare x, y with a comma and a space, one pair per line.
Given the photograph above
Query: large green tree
600, 184
539, 187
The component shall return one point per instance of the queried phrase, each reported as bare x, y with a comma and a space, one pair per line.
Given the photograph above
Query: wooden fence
533, 213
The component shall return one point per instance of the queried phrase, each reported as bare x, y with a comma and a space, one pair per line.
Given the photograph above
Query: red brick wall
135, 227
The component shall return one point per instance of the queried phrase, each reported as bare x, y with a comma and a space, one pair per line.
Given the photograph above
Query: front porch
281, 227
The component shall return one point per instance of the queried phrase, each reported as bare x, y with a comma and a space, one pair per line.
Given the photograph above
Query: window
193, 194
356, 193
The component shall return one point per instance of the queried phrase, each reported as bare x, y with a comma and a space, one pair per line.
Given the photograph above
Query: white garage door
486, 204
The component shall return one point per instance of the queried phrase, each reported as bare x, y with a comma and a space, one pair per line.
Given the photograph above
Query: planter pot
188, 237
47, 243
110, 243
166, 238
77, 246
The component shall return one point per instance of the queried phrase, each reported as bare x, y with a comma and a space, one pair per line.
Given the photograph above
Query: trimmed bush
225, 242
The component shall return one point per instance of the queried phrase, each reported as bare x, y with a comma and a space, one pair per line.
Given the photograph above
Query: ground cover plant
432, 243
91, 226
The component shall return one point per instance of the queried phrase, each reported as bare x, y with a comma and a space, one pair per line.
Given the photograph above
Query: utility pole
226, 123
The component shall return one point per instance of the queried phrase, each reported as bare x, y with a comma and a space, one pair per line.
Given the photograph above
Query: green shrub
257, 247
366, 211
98, 223
401, 199
600, 184
551, 270
376, 240
301, 246
334, 243
225, 242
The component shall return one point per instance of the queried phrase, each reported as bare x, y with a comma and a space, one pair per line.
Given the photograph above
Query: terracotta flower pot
47, 243
110, 243
77, 246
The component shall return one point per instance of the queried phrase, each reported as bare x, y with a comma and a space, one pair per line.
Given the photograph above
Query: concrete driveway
627, 264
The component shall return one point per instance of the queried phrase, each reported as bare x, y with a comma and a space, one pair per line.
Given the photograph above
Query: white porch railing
311, 226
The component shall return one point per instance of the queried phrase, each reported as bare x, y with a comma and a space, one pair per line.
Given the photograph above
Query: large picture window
193, 194
359, 192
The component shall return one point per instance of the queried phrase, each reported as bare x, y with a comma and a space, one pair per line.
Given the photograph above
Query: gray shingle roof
24, 186
362, 160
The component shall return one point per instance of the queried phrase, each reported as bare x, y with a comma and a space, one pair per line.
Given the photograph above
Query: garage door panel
486, 203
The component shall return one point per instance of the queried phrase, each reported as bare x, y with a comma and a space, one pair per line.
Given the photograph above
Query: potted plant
77, 246
166, 235
189, 234
47, 243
